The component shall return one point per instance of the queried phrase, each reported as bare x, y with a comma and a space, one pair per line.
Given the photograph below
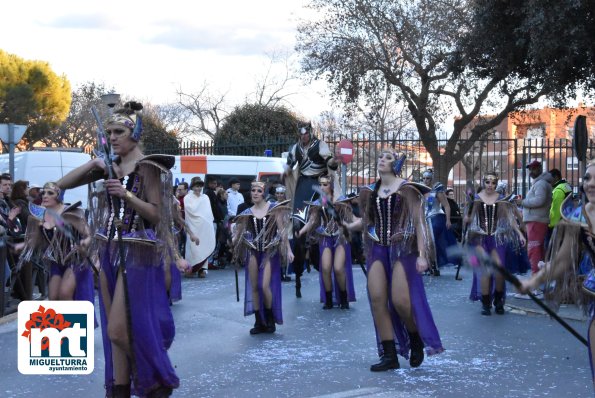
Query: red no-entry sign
345, 151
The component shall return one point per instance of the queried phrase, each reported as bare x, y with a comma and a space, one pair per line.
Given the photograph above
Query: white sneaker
521, 296
537, 293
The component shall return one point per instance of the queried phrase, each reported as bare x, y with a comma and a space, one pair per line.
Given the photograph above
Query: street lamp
11, 134
110, 100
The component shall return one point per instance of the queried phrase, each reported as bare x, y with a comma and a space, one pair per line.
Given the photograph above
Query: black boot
259, 326
270, 319
486, 304
298, 286
499, 302
160, 392
389, 359
328, 301
344, 301
121, 391
417, 350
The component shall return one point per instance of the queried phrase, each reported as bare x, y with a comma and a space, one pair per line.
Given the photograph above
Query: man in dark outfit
307, 160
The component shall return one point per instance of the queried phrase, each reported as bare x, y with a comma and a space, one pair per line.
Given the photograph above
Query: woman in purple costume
571, 246
259, 238
326, 217
492, 226
60, 237
398, 245
132, 219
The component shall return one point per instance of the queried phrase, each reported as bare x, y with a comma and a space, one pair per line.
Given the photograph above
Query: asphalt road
320, 353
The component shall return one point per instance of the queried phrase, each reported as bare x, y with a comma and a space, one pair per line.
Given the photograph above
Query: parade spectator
200, 234
34, 195
536, 213
181, 192
223, 234
234, 197
20, 198
211, 192
560, 190
456, 220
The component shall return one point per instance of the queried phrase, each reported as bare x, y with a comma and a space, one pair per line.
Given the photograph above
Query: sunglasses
115, 131
49, 193
257, 190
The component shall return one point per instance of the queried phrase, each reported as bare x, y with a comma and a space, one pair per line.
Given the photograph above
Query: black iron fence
506, 157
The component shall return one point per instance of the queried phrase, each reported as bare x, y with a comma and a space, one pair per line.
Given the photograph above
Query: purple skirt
488, 244
275, 264
83, 276
330, 243
151, 320
419, 303
175, 290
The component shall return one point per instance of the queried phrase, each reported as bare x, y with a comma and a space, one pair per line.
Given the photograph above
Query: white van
39, 167
224, 168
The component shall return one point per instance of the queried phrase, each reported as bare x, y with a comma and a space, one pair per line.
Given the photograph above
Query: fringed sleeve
507, 227
412, 222
157, 185
238, 245
345, 214
561, 273
277, 230
35, 243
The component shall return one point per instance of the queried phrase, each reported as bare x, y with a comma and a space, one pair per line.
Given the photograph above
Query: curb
527, 310
9, 318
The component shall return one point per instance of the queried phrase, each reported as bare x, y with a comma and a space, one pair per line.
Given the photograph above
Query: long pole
11, 149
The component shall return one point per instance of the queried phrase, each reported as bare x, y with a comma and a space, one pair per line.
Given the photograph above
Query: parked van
41, 166
224, 168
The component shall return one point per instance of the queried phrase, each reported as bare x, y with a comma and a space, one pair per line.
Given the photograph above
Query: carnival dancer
569, 271
260, 239
59, 237
399, 248
493, 226
134, 237
438, 215
327, 215
312, 157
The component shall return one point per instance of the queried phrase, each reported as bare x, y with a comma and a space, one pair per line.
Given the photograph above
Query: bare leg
400, 297
377, 289
54, 287
325, 269
339, 266
266, 285
68, 285
117, 330
253, 274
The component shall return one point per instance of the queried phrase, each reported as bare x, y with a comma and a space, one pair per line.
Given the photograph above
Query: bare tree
271, 86
203, 112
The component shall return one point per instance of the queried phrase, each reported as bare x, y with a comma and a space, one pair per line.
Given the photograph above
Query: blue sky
149, 49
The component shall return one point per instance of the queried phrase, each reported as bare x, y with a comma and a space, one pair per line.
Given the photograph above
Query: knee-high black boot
259, 326
389, 359
344, 300
499, 302
120, 391
270, 319
417, 350
298, 286
328, 301
486, 304
160, 392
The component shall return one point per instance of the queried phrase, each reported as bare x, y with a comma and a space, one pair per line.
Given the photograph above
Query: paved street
320, 353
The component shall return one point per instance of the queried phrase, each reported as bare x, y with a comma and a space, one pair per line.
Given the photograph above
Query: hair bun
132, 105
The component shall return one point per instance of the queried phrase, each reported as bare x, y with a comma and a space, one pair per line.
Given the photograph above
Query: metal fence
505, 157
